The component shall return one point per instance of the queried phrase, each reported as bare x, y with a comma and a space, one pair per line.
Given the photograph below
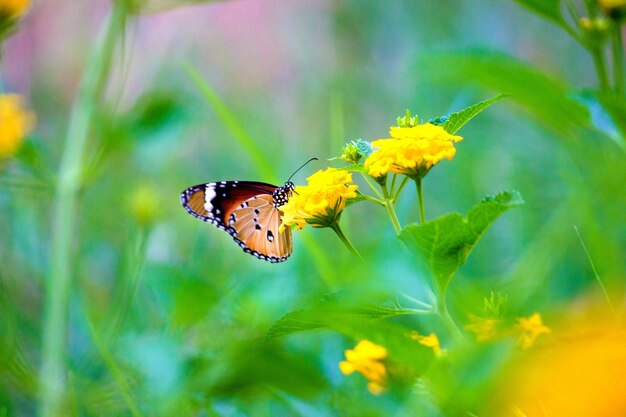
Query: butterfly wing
245, 210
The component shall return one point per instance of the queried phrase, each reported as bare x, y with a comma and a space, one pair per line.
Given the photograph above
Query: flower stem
420, 198
369, 182
344, 239
389, 205
372, 199
598, 61
446, 318
618, 58
397, 193
58, 287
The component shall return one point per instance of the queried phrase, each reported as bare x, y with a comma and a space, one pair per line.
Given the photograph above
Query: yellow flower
411, 150
485, 329
13, 8
321, 202
529, 329
579, 374
431, 341
366, 358
15, 123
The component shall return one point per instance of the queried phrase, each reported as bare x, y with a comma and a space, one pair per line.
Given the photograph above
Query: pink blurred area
246, 46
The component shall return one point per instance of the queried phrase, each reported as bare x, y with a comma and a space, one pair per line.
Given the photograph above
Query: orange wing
245, 210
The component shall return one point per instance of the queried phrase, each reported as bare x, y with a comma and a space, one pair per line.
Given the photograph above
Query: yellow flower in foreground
13, 8
529, 329
411, 150
431, 341
485, 329
579, 374
15, 123
366, 358
321, 202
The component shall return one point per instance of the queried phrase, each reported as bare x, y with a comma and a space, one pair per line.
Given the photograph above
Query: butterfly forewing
246, 211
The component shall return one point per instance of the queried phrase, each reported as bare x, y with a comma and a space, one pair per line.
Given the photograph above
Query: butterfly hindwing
257, 223
246, 211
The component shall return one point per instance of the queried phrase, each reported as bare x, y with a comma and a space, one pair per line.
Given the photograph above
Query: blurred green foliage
167, 316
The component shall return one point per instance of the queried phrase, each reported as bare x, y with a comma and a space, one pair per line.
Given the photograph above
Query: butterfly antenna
303, 165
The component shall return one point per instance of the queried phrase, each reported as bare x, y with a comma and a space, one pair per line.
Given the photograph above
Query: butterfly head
281, 194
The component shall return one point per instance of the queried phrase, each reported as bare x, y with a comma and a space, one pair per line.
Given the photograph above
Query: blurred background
167, 315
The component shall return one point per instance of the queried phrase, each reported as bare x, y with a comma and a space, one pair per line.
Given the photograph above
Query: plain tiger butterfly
248, 211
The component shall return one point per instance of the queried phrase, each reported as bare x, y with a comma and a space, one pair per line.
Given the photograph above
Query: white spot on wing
209, 195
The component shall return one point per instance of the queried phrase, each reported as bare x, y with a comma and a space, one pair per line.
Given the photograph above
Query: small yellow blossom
15, 123
321, 202
411, 150
366, 358
485, 329
13, 8
597, 24
144, 204
529, 329
431, 341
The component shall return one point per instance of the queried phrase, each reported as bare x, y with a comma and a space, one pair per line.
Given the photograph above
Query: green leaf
550, 9
339, 312
608, 113
445, 243
359, 197
455, 121
336, 311
355, 168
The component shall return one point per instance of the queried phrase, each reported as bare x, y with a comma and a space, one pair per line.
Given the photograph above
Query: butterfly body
248, 211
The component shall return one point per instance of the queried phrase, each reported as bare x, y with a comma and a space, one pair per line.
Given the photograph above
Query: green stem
447, 320
397, 193
420, 198
393, 184
372, 199
617, 45
53, 368
598, 62
372, 185
389, 205
344, 239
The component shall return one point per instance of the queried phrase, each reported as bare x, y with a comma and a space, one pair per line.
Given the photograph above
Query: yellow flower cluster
411, 150
366, 358
431, 341
321, 202
527, 329
13, 8
15, 123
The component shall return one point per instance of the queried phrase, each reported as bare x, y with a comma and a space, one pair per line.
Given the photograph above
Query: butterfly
248, 211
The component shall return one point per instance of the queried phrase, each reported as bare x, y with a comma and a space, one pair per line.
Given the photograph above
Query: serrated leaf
445, 243
550, 9
455, 121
